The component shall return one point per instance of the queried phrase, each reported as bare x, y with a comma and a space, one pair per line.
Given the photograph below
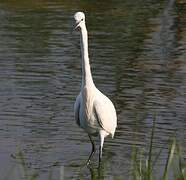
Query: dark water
138, 58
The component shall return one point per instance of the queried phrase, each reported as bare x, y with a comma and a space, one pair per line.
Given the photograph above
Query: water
137, 52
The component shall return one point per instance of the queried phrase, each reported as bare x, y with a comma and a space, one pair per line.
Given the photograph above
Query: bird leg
102, 136
92, 152
100, 154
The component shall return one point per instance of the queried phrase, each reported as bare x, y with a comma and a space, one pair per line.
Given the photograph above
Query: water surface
137, 53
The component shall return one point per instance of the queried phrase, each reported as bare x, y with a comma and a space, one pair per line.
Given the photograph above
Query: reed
142, 167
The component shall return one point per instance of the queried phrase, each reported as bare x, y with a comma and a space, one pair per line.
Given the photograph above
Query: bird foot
88, 163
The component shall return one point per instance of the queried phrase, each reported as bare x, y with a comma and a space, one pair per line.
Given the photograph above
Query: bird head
79, 20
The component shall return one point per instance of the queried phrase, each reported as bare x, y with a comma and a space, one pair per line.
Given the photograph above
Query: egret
94, 112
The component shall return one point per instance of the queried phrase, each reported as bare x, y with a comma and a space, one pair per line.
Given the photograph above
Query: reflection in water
137, 52
94, 170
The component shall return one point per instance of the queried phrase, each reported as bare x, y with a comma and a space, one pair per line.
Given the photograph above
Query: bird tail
112, 134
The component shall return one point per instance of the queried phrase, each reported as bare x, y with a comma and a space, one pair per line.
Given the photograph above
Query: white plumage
94, 112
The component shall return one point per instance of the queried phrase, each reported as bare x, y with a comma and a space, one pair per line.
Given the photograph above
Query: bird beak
77, 25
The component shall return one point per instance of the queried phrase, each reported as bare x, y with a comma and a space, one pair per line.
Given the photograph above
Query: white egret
94, 112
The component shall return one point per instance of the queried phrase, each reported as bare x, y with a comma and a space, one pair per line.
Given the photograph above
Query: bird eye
82, 19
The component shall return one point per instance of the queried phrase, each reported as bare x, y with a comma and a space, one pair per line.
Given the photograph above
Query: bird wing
76, 109
105, 113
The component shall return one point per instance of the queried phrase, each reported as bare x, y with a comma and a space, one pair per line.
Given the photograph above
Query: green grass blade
23, 163
149, 168
182, 172
33, 177
156, 158
169, 159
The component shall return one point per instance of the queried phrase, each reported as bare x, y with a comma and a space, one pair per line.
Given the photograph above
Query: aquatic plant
142, 166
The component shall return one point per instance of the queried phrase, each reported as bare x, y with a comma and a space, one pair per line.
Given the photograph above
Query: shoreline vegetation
142, 164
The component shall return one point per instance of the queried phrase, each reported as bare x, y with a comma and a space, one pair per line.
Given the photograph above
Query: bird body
94, 112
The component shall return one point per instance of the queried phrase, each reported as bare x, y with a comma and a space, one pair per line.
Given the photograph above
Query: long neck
86, 71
